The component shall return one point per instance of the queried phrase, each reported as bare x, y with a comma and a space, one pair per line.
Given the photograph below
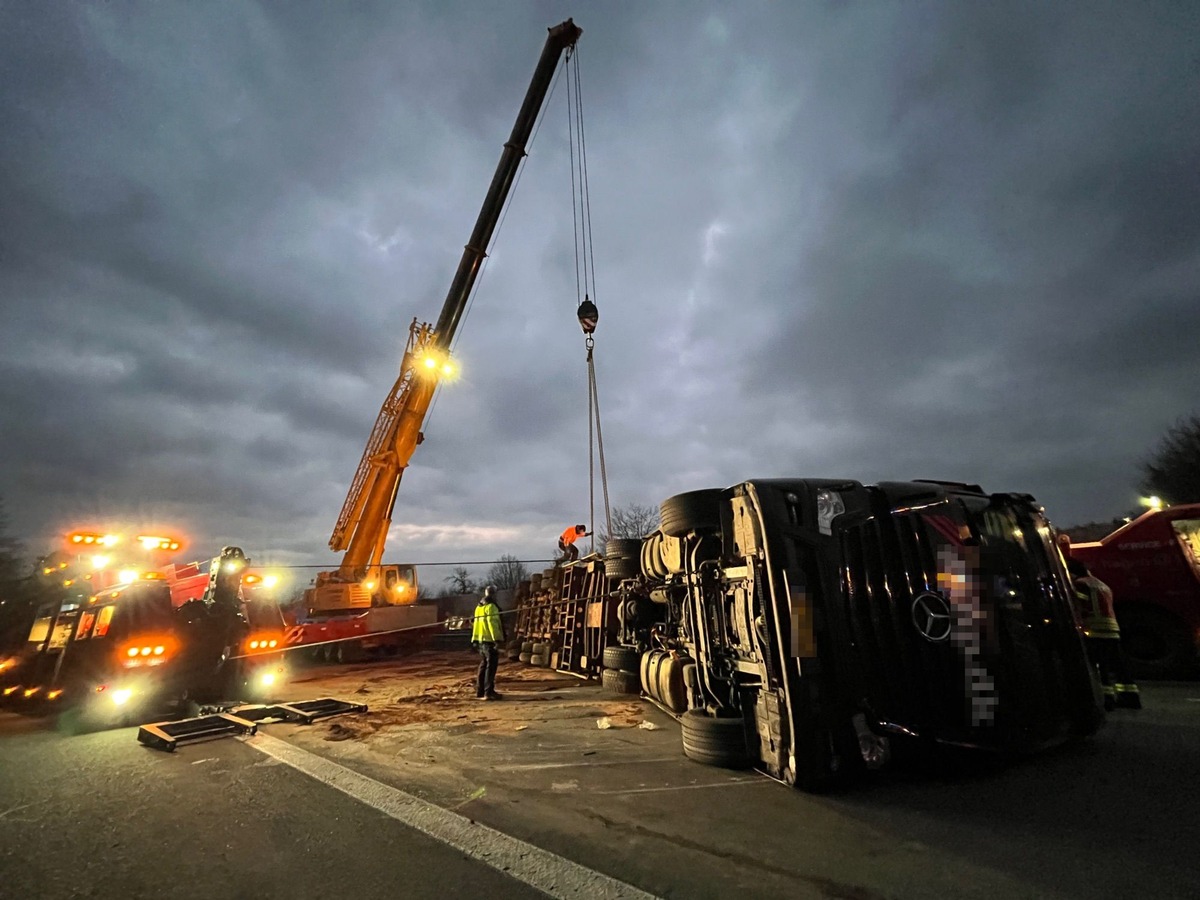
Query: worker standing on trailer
1094, 600
486, 633
566, 542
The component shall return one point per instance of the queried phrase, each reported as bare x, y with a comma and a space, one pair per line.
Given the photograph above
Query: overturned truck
805, 626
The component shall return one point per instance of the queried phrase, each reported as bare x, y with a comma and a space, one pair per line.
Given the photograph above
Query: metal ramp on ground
169, 735
240, 720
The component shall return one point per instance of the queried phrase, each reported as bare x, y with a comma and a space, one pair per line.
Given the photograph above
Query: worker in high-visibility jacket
1094, 601
486, 632
566, 542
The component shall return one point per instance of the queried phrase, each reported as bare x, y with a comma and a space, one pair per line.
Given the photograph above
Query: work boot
494, 696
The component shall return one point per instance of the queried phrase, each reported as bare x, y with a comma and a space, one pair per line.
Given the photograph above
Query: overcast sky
877, 241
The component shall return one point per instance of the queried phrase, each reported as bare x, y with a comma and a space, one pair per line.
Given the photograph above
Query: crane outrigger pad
308, 711
241, 720
169, 735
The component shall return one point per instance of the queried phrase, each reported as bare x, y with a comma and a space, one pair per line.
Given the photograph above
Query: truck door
1022, 590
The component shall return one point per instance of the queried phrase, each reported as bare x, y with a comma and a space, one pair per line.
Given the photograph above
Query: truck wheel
525, 657
622, 558
539, 659
715, 741
619, 682
1155, 643
623, 658
692, 511
526, 646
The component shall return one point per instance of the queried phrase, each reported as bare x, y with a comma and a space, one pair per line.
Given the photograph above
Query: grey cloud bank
872, 240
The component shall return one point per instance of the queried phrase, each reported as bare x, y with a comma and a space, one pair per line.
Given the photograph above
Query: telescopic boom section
366, 516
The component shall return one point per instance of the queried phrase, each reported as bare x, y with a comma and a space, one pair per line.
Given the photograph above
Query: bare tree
507, 572
1173, 470
459, 581
12, 563
634, 520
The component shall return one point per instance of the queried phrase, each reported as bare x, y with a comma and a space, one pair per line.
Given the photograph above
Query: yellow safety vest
487, 627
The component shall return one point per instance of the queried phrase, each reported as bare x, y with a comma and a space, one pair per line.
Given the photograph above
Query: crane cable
585, 284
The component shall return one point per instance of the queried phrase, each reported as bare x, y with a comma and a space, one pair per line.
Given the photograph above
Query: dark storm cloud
931, 240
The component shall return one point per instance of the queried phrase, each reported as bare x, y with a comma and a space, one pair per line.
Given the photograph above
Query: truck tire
539, 659
617, 681
715, 741
1155, 643
524, 656
622, 558
526, 646
692, 511
624, 658
540, 649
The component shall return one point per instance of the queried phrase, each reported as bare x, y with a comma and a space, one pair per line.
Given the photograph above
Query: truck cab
815, 622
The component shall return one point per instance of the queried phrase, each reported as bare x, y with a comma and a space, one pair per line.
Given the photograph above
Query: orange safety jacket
1094, 600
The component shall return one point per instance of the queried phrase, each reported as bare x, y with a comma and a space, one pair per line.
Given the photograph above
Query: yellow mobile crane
361, 581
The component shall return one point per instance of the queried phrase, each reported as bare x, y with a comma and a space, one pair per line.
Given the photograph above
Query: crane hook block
588, 315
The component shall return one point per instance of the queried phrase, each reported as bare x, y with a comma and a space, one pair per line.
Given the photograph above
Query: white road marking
686, 787
529, 767
548, 872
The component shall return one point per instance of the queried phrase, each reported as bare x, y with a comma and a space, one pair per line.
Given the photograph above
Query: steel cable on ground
288, 648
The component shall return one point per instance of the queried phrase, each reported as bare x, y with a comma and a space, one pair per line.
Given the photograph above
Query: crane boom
362, 526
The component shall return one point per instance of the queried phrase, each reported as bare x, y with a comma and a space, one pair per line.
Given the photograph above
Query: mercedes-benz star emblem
931, 615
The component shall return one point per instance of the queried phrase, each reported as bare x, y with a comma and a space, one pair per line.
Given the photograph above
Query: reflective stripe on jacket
487, 626
1096, 614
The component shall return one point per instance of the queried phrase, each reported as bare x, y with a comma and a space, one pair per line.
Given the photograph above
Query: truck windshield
136, 610
1017, 552
1188, 533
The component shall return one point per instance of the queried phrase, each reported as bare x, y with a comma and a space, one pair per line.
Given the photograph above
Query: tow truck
149, 641
1152, 565
365, 601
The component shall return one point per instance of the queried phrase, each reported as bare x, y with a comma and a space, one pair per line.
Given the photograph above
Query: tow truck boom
363, 524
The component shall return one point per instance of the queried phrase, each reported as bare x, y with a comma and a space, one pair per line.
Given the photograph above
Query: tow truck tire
714, 741
524, 657
691, 511
539, 659
527, 646
617, 681
1154, 642
624, 658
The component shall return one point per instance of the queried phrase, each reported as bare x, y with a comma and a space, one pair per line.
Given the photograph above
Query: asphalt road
98, 816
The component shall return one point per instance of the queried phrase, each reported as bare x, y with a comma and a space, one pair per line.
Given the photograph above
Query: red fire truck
1152, 565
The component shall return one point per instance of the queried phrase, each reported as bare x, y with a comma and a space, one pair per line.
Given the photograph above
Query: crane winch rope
585, 287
